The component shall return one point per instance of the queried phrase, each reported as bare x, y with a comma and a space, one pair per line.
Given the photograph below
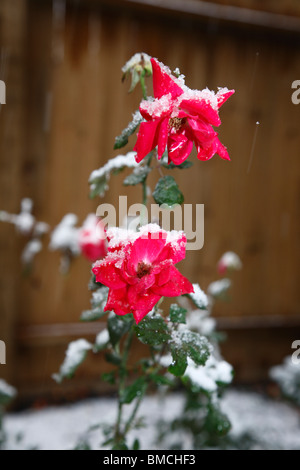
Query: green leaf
137, 388
179, 363
152, 331
98, 187
161, 379
122, 139
136, 445
113, 358
109, 377
171, 166
196, 346
138, 175
135, 78
120, 446
117, 327
75, 355
217, 422
167, 192
188, 344
177, 314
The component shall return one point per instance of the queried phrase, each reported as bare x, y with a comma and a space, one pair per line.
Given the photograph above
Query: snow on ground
276, 425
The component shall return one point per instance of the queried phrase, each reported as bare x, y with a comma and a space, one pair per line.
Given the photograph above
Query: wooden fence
65, 104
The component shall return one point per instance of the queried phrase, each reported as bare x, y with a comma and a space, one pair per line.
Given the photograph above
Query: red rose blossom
139, 269
179, 117
92, 238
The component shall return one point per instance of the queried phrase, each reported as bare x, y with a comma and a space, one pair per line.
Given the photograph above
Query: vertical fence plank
12, 143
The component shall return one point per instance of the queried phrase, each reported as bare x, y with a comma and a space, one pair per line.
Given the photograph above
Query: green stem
2, 433
134, 412
144, 217
144, 188
143, 86
122, 375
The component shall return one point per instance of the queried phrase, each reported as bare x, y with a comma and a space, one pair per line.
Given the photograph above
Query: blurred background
61, 62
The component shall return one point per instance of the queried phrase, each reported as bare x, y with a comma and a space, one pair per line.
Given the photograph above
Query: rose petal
146, 139
163, 82
106, 273
144, 250
203, 109
222, 151
117, 301
206, 152
223, 96
174, 250
201, 130
162, 137
141, 304
177, 285
179, 148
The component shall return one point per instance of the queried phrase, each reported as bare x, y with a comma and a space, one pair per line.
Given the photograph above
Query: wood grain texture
12, 144
69, 105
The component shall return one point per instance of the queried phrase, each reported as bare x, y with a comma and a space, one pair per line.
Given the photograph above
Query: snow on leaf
287, 376
7, 392
75, 355
219, 288
122, 139
98, 301
199, 297
118, 326
229, 261
98, 179
102, 339
136, 59
65, 235
211, 375
177, 314
33, 247
186, 344
138, 175
201, 322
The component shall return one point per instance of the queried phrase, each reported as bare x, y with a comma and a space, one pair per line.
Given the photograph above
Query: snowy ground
276, 425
